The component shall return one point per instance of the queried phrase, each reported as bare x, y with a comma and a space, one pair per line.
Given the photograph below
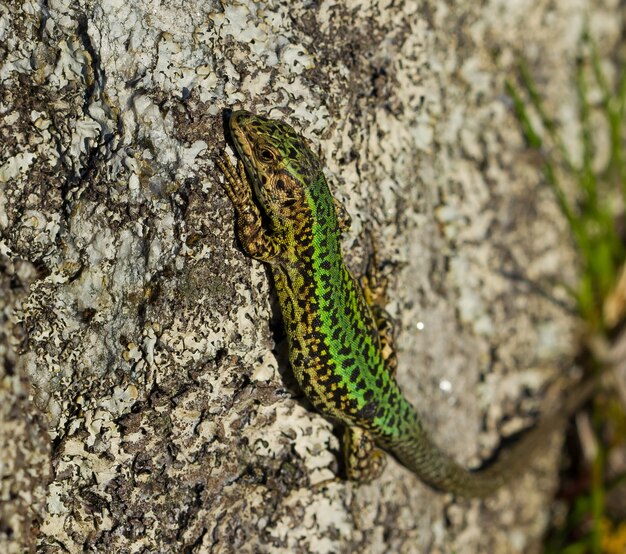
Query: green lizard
339, 336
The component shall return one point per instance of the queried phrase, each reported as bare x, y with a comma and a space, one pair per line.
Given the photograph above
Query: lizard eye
266, 155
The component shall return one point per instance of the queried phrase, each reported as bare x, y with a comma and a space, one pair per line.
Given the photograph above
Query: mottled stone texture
146, 404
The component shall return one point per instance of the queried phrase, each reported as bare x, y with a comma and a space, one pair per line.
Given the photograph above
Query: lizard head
279, 163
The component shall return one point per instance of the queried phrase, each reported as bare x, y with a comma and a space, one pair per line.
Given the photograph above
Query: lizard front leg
254, 238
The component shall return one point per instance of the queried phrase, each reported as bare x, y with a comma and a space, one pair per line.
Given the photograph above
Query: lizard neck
310, 225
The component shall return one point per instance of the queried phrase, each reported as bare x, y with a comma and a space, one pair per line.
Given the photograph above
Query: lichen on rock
146, 400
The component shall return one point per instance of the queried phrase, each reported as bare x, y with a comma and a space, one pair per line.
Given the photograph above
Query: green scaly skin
286, 217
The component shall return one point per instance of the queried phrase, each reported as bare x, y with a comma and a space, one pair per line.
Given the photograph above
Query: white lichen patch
16, 165
326, 515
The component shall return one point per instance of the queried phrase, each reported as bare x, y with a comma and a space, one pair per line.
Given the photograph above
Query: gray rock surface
145, 400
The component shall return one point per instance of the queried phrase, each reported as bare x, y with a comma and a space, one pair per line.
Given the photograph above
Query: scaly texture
335, 347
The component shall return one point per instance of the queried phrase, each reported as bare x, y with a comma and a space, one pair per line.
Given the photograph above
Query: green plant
594, 193
591, 215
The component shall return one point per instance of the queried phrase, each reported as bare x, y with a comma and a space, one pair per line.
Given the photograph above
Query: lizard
340, 338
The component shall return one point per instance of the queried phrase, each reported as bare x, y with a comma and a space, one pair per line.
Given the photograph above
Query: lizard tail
441, 472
